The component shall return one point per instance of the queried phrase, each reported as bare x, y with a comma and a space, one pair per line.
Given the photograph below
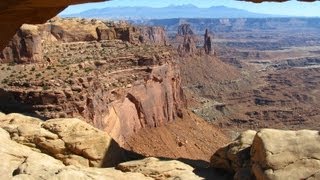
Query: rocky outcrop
70, 140
152, 35
24, 47
185, 29
207, 43
151, 104
188, 46
271, 154
148, 105
116, 77
26, 143
158, 169
286, 154
236, 156
132, 34
73, 30
28, 44
14, 14
106, 33
187, 40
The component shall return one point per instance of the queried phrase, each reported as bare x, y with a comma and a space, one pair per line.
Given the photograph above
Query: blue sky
288, 8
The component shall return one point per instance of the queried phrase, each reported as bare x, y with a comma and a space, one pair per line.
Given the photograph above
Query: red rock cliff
120, 84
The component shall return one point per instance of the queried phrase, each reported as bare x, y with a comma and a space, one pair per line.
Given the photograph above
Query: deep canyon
101, 99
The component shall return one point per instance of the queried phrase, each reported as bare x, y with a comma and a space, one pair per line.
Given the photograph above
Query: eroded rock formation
185, 29
271, 154
188, 46
27, 44
117, 77
65, 148
187, 40
207, 43
71, 141
24, 47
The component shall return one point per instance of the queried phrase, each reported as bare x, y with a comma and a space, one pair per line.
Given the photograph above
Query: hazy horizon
290, 8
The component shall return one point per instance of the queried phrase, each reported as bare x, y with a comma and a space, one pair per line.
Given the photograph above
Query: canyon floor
265, 73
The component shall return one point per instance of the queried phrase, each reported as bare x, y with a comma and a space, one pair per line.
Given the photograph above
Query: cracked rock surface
65, 148
72, 141
272, 154
279, 154
158, 169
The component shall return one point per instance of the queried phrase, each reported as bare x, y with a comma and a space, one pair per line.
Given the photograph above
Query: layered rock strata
119, 79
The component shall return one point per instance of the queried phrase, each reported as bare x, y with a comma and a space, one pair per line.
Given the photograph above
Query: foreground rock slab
72, 141
157, 169
272, 154
286, 154
23, 162
64, 148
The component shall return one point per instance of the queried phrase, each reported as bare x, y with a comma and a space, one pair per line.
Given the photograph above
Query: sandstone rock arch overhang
14, 13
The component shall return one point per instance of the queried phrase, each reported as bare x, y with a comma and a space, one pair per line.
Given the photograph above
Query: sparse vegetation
5, 81
88, 69
45, 87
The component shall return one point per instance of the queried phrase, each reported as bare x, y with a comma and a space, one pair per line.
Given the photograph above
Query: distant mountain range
185, 11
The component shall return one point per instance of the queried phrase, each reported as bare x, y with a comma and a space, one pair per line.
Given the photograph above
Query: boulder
31, 162
70, 140
278, 154
161, 170
271, 154
235, 157
22, 162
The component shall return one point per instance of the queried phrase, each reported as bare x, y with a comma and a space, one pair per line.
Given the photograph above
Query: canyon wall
117, 77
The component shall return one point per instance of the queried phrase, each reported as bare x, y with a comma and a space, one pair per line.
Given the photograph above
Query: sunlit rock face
118, 77
70, 148
271, 154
